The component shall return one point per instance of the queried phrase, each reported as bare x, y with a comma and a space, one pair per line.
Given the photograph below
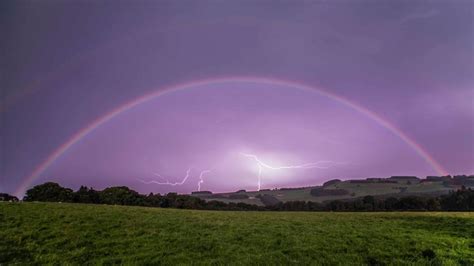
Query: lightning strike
262, 165
201, 180
167, 181
259, 178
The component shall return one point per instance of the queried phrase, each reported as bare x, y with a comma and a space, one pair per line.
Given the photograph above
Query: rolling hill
395, 186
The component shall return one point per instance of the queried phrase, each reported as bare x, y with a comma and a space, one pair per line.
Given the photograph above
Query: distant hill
394, 186
374, 194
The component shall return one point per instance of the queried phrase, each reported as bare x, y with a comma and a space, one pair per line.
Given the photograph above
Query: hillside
54, 233
395, 186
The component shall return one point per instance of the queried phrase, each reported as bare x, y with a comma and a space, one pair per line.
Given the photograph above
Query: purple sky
67, 63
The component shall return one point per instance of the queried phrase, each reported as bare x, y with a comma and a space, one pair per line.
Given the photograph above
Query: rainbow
182, 86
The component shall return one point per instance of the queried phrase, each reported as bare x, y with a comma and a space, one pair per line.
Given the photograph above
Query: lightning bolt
259, 178
201, 180
167, 181
262, 165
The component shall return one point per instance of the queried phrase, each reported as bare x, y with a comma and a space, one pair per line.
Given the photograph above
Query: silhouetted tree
121, 196
433, 204
369, 203
391, 204
411, 203
86, 195
461, 200
49, 191
336, 205
8, 197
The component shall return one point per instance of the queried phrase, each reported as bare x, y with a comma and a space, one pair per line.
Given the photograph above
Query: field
355, 190
78, 233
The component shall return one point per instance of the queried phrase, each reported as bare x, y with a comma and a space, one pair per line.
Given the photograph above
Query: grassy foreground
78, 233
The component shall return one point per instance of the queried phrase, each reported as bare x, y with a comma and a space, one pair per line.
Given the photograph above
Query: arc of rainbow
259, 80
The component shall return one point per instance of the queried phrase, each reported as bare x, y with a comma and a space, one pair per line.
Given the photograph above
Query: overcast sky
66, 64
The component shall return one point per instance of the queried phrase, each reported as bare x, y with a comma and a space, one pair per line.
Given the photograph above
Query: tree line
460, 200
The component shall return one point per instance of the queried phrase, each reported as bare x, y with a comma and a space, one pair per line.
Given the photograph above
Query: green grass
52, 233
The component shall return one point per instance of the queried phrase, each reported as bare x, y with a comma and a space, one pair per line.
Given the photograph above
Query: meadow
60, 233
400, 188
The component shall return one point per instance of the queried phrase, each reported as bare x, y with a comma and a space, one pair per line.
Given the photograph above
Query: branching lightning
318, 164
185, 178
261, 165
167, 181
201, 180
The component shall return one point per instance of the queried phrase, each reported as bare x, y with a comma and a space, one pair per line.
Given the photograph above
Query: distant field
400, 188
78, 233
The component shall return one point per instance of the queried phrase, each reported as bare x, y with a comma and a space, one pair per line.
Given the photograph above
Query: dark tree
411, 203
391, 204
49, 191
460, 200
121, 196
8, 197
86, 195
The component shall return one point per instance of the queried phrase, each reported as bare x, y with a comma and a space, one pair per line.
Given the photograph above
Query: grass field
355, 190
76, 234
